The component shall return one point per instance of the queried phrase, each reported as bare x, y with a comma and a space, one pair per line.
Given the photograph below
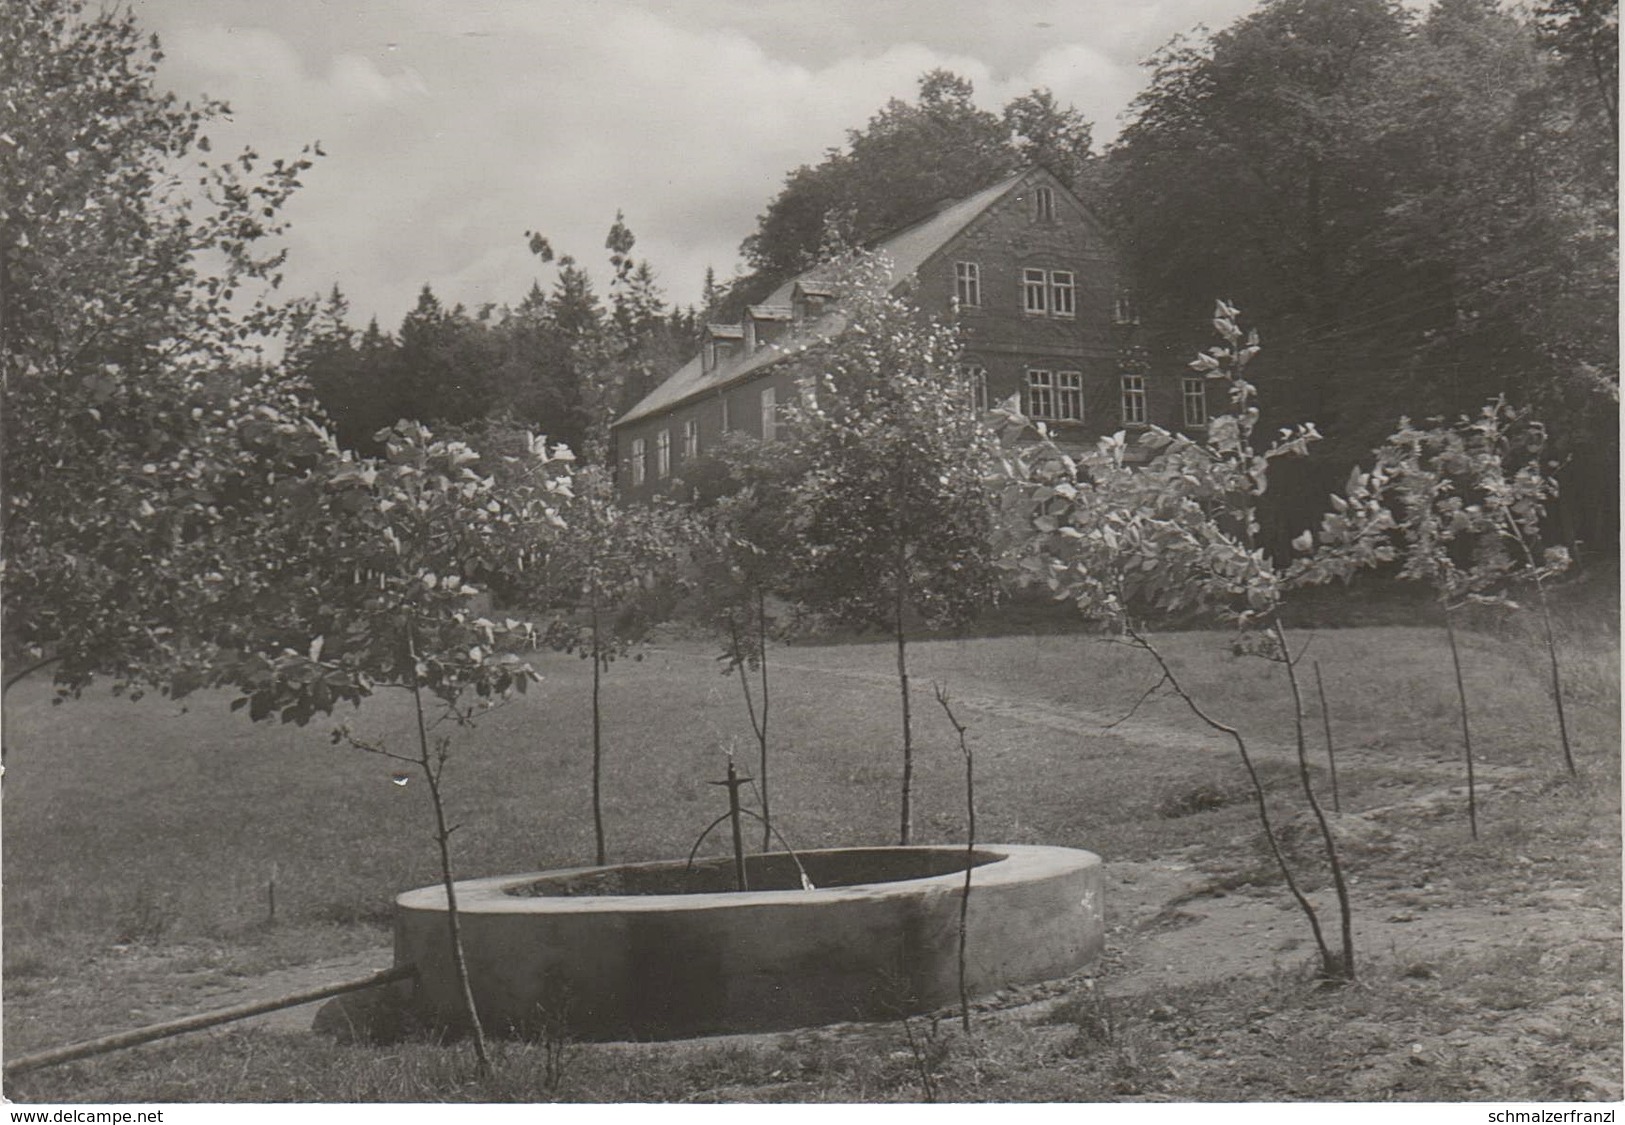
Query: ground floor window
640, 463
1134, 400
973, 378
691, 439
1195, 401
770, 413
1054, 396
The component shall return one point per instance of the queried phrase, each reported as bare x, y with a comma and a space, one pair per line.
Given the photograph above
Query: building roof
905, 252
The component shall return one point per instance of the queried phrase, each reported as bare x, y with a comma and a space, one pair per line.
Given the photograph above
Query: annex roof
906, 251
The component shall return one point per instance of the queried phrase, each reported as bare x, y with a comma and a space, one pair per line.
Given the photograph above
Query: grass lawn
140, 840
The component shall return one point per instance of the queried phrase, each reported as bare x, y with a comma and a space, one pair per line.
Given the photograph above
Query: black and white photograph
1051, 556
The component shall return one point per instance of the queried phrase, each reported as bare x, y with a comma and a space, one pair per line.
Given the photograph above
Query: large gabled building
1032, 280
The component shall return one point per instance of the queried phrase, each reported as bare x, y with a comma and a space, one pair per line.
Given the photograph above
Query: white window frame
1063, 293
973, 377
968, 285
1054, 396
663, 454
691, 439
1069, 396
727, 422
1134, 412
640, 461
1044, 202
770, 413
1034, 292
1194, 393
1040, 394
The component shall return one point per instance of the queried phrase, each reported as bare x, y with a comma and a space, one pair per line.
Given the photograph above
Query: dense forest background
1417, 211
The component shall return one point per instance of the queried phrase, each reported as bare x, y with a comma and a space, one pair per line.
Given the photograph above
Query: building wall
744, 415
1006, 340
1000, 335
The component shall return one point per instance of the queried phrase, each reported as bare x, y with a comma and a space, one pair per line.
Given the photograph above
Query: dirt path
1142, 730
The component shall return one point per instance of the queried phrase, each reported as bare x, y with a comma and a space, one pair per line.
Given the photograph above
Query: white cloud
452, 129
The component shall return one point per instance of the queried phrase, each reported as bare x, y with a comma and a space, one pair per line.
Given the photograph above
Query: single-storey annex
1025, 269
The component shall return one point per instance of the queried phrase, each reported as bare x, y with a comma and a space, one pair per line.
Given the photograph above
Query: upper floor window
691, 439
640, 462
1049, 292
968, 284
1034, 291
1044, 204
663, 454
1063, 296
1134, 400
770, 413
1123, 310
1195, 395
1055, 396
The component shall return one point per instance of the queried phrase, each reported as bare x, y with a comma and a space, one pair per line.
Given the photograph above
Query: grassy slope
138, 841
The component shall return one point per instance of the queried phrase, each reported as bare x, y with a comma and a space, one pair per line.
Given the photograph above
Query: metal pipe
136, 1037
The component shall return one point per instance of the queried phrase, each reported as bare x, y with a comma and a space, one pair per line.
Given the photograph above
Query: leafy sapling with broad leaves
1471, 529
141, 433
380, 561
1121, 539
738, 561
894, 515
1515, 503
601, 576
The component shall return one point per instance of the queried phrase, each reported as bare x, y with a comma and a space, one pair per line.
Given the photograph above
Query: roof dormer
722, 343
810, 300
765, 325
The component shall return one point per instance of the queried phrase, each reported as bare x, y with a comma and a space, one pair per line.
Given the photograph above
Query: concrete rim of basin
1004, 864
664, 966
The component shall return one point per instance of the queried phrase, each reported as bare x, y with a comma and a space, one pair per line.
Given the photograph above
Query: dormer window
765, 325
722, 343
809, 301
1044, 205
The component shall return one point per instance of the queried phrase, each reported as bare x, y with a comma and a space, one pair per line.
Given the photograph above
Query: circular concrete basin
651, 951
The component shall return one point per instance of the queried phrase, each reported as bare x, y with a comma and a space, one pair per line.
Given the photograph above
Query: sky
453, 127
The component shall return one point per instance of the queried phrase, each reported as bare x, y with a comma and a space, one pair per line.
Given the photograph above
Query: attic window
765, 325
968, 284
1044, 203
722, 341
